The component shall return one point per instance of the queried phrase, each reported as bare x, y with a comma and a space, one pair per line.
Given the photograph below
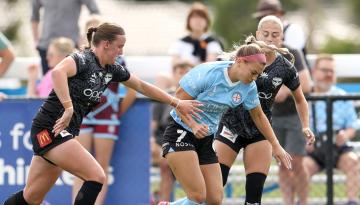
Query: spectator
199, 46
59, 48
344, 124
161, 117
6, 54
60, 19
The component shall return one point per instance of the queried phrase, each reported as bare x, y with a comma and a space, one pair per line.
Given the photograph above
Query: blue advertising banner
129, 171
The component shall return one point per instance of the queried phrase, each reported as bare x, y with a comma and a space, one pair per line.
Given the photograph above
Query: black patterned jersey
85, 88
280, 72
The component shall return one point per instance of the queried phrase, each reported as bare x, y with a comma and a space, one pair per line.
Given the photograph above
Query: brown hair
283, 51
198, 9
322, 56
104, 32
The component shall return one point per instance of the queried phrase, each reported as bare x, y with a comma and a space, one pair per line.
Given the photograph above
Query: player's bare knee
197, 196
215, 199
98, 176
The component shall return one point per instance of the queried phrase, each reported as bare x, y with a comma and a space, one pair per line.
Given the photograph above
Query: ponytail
89, 36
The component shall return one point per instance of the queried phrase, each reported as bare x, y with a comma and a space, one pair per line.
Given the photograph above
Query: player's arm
303, 112
199, 130
128, 100
263, 124
183, 106
59, 75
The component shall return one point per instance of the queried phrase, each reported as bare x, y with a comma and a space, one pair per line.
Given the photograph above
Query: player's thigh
186, 168
257, 157
74, 158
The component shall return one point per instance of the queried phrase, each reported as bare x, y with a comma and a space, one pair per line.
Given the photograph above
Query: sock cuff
96, 186
256, 174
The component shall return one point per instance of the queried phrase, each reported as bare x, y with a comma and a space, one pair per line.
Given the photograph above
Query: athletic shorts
177, 139
43, 139
319, 155
101, 131
288, 130
235, 141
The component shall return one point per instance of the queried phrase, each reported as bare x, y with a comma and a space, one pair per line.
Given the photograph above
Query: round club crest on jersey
236, 98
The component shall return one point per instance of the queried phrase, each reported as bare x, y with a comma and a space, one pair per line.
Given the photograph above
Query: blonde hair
63, 45
240, 51
93, 21
270, 18
283, 51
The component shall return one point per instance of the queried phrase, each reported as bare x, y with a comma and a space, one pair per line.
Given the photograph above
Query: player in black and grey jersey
79, 80
237, 130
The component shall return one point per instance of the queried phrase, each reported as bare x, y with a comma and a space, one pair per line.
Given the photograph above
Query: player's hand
189, 107
200, 130
282, 157
63, 122
309, 135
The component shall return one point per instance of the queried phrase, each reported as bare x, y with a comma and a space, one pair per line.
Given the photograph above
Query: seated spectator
59, 48
161, 117
344, 125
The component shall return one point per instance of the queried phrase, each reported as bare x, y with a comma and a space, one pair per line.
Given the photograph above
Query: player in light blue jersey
187, 142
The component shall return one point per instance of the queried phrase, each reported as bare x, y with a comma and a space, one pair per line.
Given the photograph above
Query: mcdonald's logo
43, 138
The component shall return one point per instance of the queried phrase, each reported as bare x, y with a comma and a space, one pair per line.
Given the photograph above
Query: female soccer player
237, 130
187, 142
79, 80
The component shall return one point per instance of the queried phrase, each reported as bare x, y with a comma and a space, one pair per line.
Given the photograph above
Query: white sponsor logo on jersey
276, 81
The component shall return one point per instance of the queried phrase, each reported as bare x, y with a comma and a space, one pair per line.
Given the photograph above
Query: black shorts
235, 141
177, 139
319, 154
43, 139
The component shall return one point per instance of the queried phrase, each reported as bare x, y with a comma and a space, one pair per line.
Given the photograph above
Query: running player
79, 81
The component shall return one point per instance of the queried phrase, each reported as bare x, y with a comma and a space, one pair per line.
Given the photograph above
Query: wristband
67, 104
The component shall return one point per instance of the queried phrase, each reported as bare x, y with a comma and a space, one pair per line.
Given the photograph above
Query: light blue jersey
344, 113
210, 84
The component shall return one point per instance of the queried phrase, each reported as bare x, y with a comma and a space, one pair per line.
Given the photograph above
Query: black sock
16, 199
88, 193
254, 187
224, 172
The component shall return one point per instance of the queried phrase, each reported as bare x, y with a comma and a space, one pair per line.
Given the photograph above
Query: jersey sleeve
252, 99
120, 73
80, 62
292, 80
194, 82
